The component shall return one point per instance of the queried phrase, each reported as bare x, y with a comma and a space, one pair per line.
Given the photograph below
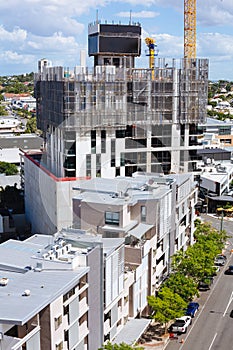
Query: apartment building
68, 291
155, 214
44, 286
216, 178
216, 133
117, 292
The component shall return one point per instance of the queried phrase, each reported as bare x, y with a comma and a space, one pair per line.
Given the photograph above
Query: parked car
192, 309
205, 284
181, 324
220, 260
229, 271
216, 269
221, 256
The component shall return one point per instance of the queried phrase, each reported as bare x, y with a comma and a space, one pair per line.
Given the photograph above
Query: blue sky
57, 30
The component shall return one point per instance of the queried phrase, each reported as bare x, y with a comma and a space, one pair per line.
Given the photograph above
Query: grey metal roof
221, 198
109, 244
180, 178
45, 285
27, 141
212, 151
112, 228
140, 230
212, 121
132, 331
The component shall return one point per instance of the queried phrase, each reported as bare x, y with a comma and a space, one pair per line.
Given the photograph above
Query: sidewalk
156, 345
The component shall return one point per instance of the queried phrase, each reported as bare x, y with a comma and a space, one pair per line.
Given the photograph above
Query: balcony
83, 307
159, 268
107, 326
83, 330
159, 253
14, 342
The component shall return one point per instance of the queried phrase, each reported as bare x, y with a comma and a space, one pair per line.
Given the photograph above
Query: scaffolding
116, 97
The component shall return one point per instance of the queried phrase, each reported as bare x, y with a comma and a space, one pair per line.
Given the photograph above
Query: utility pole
221, 223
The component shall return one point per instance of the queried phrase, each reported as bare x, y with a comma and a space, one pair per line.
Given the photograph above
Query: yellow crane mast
190, 28
150, 42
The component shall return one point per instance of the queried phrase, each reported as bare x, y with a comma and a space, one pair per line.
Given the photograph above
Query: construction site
113, 118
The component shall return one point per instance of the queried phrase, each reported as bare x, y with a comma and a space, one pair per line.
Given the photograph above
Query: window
113, 153
143, 213
93, 141
58, 321
98, 165
103, 141
69, 294
88, 165
112, 218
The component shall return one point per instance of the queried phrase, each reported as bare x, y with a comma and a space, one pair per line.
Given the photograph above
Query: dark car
205, 284
192, 309
229, 271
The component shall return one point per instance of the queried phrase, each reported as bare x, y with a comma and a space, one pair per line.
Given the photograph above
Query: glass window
58, 321
143, 213
112, 218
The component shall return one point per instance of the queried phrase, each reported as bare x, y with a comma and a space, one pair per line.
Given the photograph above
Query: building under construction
115, 119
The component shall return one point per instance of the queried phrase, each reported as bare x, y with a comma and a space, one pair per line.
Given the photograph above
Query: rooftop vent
4, 281
26, 293
39, 267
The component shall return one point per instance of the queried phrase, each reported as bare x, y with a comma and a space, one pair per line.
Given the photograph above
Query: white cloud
141, 14
13, 57
57, 43
216, 45
217, 14
16, 35
169, 45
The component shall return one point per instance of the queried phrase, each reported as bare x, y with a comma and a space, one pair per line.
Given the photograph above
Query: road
212, 328
216, 222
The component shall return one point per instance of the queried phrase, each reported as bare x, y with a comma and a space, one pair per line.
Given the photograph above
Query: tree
166, 306
122, 346
184, 286
198, 260
31, 126
2, 110
8, 168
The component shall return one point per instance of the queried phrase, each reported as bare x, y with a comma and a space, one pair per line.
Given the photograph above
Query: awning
132, 331
140, 230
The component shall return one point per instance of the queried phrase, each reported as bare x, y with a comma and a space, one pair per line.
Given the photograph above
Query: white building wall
48, 203
56, 310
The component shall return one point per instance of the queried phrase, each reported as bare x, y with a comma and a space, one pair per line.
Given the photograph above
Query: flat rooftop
18, 264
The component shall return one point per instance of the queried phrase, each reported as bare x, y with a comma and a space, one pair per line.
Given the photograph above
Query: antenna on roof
97, 17
130, 17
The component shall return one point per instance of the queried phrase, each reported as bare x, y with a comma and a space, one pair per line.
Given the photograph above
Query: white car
181, 324
219, 260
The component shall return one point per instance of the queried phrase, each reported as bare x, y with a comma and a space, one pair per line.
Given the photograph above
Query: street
212, 326
227, 223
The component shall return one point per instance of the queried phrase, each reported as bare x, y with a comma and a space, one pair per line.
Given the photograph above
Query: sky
57, 30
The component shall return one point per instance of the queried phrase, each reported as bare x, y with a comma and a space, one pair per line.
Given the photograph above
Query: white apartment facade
154, 214
123, 287
45, 288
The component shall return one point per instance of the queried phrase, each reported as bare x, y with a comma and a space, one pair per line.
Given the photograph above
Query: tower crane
150, 42
189, 28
